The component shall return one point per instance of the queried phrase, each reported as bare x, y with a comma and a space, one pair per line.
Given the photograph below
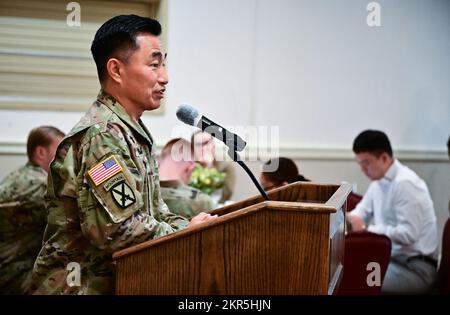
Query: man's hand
200, 218
356, 222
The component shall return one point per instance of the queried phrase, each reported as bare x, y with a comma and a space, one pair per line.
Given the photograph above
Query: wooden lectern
294, 245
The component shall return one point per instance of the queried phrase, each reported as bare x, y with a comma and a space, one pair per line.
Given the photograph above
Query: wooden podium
294, 245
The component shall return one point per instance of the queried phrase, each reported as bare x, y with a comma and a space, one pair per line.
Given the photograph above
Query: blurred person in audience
398, 205
104, 193
22, 211
286, 173
176, 164
204, 154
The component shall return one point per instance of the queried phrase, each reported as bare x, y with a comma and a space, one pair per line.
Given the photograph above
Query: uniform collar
109, 101
34, 166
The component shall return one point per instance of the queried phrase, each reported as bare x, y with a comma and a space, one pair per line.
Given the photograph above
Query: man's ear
114, 69
385, 157
39, 153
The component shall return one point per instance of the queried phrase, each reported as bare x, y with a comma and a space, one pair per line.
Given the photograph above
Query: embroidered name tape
104, 170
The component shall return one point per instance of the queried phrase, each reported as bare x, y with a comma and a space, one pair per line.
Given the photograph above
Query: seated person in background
285, 173
22, 211
175, 168
400, 205
204, 154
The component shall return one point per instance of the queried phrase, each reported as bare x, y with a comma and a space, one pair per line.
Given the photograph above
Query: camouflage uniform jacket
22, 222
104, 195
185, 200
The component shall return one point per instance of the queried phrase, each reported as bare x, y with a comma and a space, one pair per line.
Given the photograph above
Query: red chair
443, 277
352, 200
361, 249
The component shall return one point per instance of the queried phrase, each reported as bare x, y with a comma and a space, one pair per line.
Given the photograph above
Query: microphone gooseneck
235, 157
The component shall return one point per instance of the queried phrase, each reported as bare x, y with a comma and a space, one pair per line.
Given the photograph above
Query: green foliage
206, 179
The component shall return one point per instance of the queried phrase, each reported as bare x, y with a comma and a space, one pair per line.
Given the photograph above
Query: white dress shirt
401, 208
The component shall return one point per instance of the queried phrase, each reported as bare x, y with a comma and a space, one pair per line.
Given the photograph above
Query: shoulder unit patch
123, 195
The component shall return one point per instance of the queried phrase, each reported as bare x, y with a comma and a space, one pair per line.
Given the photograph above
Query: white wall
316, 68
338, 76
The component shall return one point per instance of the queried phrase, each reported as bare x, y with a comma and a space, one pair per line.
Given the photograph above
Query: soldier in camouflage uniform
104, 192
175, 168
22, 211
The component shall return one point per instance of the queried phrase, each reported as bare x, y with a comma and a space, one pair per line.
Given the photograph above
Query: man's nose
163, 78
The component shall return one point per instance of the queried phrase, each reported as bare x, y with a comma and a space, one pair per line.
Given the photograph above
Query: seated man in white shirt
398, 204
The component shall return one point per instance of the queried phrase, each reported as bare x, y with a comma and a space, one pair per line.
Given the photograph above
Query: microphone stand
235, 157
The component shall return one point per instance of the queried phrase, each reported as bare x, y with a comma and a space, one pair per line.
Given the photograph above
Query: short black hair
117, 38
372, 141
287, 171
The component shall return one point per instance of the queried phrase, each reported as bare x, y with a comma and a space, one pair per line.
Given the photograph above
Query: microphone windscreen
188, 114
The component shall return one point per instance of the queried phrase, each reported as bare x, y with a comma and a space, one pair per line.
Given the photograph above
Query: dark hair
287, 171
41, 136
372, 141
117, 38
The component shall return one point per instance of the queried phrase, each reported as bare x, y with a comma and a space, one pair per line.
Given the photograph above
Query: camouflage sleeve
113, 196
175, 220
38, 212
27, 188
186, 201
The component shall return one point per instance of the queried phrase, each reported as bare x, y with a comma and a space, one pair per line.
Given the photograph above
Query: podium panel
290, 245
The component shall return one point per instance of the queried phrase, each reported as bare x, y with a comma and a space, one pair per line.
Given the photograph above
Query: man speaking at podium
104, 192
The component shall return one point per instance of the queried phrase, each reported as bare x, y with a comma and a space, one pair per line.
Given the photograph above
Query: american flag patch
104, 170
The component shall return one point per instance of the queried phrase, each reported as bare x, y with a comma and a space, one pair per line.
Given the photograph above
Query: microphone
191, 116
